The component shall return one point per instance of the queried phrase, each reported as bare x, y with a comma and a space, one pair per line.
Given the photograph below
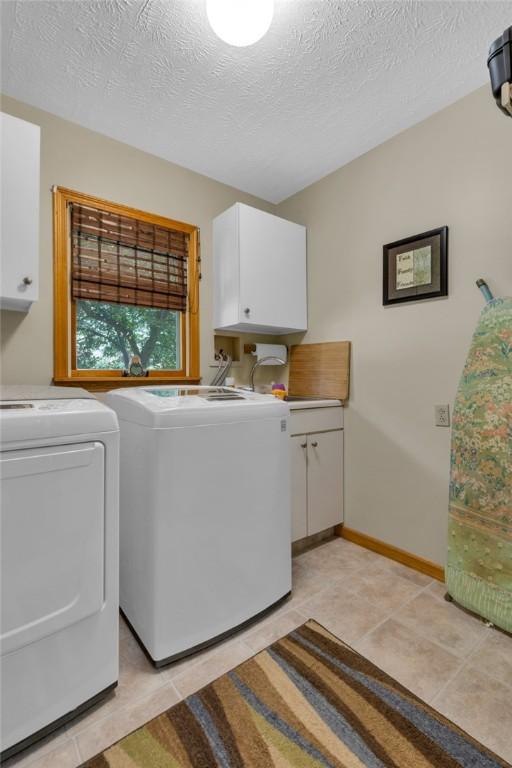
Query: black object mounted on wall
500, 70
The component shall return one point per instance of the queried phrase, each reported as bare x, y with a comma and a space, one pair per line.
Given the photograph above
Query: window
126, 290
108, 335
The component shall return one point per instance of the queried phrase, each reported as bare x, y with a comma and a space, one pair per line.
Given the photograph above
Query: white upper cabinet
19, 223
259, 263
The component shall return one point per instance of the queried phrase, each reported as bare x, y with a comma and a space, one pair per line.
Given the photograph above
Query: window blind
123, 260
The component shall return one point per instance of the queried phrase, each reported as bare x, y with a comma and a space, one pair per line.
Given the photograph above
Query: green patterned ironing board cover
479, 567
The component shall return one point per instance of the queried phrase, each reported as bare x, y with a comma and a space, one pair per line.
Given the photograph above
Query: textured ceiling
330, 80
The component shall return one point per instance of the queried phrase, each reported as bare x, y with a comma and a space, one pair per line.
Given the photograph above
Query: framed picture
416, 267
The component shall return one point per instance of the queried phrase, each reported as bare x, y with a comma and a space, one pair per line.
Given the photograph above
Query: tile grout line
77, 751
124, 708
391, 615
191, 661
465, 663
425, 589
67, 741
178, 694
357, 571
195, 660
355, 593
440, 645
170, 684
489, 635
252, 652
280, 636
121, 708
48, 749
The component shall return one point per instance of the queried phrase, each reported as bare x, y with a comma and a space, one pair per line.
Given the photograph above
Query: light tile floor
394, 616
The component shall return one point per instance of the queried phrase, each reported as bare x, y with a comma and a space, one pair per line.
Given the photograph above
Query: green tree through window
107, 335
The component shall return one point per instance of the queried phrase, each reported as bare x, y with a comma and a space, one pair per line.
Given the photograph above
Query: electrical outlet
442, 415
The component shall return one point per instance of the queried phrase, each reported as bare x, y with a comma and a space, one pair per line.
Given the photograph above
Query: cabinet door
226, 270
19, 213
325, 480
299, 486
272, 271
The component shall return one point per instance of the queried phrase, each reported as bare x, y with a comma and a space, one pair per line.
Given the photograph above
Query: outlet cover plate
442, 413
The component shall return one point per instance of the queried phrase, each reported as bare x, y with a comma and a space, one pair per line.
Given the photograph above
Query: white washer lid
42, 392
180, 406
27, 420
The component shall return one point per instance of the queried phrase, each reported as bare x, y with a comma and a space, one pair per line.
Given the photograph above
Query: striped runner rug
308, 700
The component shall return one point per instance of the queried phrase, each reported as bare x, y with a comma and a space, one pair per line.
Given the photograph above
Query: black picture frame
435, 271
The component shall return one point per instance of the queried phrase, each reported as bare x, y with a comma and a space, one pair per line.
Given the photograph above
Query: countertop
296, 405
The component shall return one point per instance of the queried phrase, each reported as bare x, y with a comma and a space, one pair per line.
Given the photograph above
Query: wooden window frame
64, 307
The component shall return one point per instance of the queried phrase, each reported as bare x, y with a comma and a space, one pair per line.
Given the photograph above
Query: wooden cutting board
320, 370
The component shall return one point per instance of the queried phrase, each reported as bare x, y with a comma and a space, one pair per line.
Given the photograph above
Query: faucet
260, 362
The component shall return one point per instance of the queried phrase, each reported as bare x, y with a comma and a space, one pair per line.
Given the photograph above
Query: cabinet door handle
27, 281
303, 445
247, 311
314, 444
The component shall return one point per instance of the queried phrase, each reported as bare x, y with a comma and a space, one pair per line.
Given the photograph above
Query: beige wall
88, 162
454, 168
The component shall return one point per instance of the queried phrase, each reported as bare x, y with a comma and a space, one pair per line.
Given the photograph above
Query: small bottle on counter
279, 390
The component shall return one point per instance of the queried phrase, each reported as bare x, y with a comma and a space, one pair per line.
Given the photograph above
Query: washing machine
59, 465
204, 513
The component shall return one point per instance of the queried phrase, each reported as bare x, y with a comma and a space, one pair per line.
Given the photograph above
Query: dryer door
52, 524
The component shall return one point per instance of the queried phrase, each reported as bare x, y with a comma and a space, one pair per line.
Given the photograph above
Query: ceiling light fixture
240, 22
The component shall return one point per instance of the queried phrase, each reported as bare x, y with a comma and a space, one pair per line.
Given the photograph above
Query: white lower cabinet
316, 474
325, 480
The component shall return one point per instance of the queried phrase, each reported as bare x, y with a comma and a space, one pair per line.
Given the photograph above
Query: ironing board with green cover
479, 567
